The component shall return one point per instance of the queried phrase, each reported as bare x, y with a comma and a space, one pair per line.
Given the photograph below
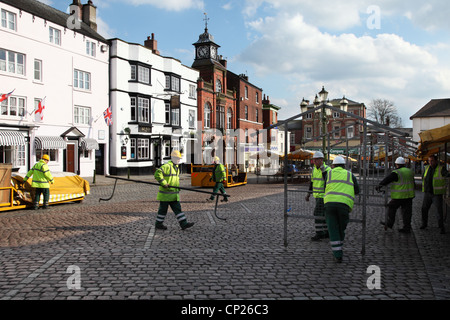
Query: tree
384, 112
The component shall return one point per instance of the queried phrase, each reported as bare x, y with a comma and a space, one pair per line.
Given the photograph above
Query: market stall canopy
432, 141
300, 154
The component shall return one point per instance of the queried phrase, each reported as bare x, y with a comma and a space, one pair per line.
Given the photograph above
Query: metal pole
365, 192
285, 183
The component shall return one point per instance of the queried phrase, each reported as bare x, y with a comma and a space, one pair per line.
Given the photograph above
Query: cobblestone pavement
115, 250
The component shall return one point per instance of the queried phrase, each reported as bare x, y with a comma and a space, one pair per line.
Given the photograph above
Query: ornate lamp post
323, 113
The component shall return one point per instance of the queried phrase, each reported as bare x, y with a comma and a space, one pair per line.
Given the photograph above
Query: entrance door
71, 158
157, 155
100, 160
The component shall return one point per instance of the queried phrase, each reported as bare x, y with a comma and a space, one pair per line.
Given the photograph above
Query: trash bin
5, 181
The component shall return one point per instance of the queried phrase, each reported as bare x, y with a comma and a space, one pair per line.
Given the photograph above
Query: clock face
213, 52
202, 52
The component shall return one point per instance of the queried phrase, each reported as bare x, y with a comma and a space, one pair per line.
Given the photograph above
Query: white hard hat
318, 154
400, 160
338, 160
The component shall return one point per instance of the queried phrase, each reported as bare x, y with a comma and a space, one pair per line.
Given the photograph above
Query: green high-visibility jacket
168, 173
41, 175
318, 183
403, 188
340, 187
219, 173
438, 180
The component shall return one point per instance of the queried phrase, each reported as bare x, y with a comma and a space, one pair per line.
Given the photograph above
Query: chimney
222, 61
152, 44
89, 14
80, 8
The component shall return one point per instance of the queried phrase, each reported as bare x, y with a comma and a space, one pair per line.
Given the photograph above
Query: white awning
49, 142
89, 144
12, 138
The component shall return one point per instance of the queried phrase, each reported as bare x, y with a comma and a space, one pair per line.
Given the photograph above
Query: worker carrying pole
219, 176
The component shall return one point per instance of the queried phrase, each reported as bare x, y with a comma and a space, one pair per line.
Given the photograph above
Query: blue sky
367, 49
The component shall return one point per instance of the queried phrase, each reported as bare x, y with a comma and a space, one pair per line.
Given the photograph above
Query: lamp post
324, 112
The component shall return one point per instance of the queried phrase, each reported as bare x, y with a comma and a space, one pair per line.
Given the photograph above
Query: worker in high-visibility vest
317, 189
168, 176
219, 176
402, 194
340, 189
433, 187
42, 178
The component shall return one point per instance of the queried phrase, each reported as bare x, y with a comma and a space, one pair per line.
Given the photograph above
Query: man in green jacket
402, 194
168, 176
219, 176
41, 181
433, 188
341, 188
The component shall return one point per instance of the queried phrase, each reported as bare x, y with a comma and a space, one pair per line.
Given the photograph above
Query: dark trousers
337, 218
406, 206
176, 208
37, 197
428, 200
218, 187
320, 224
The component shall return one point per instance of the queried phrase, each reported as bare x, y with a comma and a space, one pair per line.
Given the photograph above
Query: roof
48, 13
434, 108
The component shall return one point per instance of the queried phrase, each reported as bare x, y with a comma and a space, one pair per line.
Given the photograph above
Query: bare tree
384, 112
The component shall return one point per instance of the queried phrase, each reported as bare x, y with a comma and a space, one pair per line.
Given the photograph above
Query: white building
154, 107
434, 114
49, 57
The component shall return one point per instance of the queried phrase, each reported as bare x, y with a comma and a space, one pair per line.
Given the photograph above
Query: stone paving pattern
120, 255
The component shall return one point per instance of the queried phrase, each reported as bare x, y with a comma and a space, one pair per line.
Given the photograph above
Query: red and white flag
6, 96
39, 112
107, 114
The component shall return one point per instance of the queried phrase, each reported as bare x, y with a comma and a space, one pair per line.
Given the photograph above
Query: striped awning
12, 138
49, 142
89, 144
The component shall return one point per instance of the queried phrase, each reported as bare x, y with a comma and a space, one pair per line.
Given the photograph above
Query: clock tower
205, 48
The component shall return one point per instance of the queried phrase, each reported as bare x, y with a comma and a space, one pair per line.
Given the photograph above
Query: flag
107, 114
6, 96
40, 110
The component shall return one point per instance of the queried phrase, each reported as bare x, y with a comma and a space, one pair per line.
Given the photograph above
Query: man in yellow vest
42, 178
168, 176
341, 187
317, 189
402, 194
219, 176
433, 187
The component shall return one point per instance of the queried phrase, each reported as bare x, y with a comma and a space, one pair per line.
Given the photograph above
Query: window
53, 154
133, 73
143, 110
350, 132
166, 144
309, 115
143, 149
85, 154
207, 117
172, 83
143, 74
257, 97
337, 132
55, 36
246, 112
257, 115
82, 115
133, 108
37, 70
9, 20
13, 106
191, 118
12, 62
246, 92
81, 80
229, 119
308, 132
175, 117
336, 114
90, 48
133, 148
192, 91
20, 156
246, 135
220, 117
218, 85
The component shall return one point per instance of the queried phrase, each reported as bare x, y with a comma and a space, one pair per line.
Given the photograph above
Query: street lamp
324, 112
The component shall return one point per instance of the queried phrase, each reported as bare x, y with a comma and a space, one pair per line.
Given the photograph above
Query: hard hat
400, 160
338, 160
176, 154
46, 157
318, 154
216, 158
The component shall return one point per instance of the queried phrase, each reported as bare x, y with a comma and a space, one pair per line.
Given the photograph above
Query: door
71, 158
100, 160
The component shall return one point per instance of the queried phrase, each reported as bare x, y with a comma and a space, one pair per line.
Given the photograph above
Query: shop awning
12, 138
49, 142
89, 144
